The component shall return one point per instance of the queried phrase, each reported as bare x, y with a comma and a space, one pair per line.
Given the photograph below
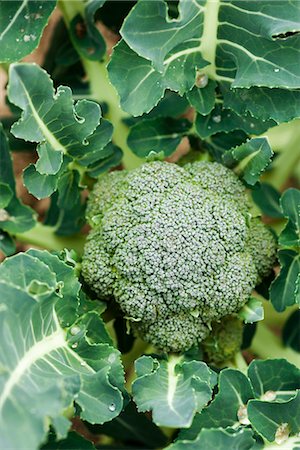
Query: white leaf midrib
48, 344
55, 144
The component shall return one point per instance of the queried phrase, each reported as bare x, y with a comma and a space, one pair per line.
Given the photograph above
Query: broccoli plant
150, 242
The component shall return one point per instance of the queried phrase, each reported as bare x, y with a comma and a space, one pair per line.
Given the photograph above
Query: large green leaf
240, 45
172, 389
70, 136
21, 26
54, 351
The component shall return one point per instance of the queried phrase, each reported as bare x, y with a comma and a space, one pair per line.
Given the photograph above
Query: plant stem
138, 349
266, 345
45, 237
103, 91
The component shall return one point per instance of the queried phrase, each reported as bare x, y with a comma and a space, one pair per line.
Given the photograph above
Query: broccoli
224, 341
176, 247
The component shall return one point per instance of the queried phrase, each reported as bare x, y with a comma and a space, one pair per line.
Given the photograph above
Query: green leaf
281, 105
173, 390
252, 59
6, 195
155, 37
291, 331
85, 35
225, 120
254, 156
157, 135
217, 439
228, 409
45, 366
171, 105
267, 199
134, 427
72, 141
274, 379
275, 420
22, 23
39, 185
252, 311
290, 205
14, 217
68, 190
203, 98
284, 290
7, 245
58, 124
140, 88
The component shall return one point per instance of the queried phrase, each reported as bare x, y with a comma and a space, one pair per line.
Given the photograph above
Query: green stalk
103, 91
44, 236
268, 346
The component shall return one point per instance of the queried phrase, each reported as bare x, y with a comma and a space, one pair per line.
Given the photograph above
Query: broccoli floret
172, 245
224, 341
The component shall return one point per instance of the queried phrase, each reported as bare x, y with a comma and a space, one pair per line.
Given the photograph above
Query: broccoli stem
44, 236
102, 90
266, 344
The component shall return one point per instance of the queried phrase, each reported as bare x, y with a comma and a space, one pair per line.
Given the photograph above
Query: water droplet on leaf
217, 119
112, 407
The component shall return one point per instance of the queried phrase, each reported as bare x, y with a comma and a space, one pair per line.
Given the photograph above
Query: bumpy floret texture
175, 247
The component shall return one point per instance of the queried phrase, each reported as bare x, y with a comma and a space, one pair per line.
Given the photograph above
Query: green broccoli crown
171, 245
224, 341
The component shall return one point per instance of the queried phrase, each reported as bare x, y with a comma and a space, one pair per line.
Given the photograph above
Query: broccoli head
176, 248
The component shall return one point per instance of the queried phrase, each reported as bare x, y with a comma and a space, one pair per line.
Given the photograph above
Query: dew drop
217, 119
83, 364
276, 70
26, 17
251, 125
75, 345
26, 38
74, 330
112, 407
